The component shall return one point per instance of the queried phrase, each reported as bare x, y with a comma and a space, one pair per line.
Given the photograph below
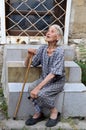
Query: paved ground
65, 124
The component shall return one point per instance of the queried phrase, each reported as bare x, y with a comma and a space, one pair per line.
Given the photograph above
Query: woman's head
54, 34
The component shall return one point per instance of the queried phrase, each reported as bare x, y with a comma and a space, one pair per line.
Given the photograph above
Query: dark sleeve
58, 63
37, 58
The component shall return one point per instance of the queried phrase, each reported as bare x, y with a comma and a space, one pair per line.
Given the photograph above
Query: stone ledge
68, 87
69, 102
19, 52
16, 71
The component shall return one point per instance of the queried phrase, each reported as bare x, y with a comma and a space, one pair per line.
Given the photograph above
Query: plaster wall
77, 28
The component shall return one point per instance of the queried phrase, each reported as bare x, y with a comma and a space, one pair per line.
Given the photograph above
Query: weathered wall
78, 19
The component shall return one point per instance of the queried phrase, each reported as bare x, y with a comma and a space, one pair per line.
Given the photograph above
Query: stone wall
77, 28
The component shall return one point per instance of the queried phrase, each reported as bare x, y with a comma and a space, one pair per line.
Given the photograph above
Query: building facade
25, 18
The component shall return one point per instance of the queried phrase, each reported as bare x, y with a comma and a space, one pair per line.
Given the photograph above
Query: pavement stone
20, 125
11, 124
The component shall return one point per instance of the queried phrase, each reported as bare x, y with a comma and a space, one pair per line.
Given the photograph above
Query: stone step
71, 102
16, 72
14, 54
19, 52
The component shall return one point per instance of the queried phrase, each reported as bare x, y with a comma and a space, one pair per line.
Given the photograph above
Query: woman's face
51, 35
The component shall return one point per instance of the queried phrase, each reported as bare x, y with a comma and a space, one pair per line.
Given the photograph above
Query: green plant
59, 128
82, 65
70, 120
82, 51
1, 92
20, 129
3, 105
3, 108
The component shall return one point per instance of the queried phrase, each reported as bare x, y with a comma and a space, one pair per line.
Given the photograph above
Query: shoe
33, 121
53, 122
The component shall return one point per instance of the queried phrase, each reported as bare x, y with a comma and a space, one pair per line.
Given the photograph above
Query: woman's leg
37, 109
53, 113
37, 117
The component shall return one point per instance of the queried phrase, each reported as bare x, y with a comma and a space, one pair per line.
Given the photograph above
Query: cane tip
14, 118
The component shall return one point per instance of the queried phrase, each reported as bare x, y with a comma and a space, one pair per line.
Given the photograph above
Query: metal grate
33, 17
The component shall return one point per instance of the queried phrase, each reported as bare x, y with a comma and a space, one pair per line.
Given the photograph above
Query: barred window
33, 17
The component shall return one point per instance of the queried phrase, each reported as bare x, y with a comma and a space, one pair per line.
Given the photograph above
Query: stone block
19, 52
74, 100
71, 102
74, 74
26, 107
16, 72
69, 53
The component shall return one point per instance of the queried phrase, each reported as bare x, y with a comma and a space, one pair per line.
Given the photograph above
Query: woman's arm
46, 80
35, 91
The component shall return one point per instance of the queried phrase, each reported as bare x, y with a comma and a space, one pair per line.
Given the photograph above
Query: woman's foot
54, 118
35, 119
52, 122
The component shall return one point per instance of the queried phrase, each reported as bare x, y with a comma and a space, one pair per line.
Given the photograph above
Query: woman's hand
34, 92
31, 52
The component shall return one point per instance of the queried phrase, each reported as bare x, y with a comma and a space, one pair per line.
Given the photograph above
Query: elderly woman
43, 91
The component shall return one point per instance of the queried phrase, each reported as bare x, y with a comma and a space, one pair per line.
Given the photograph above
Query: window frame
66, 29
59, 18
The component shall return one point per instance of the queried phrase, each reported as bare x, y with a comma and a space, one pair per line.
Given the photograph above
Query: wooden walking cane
21, 93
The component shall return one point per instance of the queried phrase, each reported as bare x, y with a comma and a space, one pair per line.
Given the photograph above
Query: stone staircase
71, 102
